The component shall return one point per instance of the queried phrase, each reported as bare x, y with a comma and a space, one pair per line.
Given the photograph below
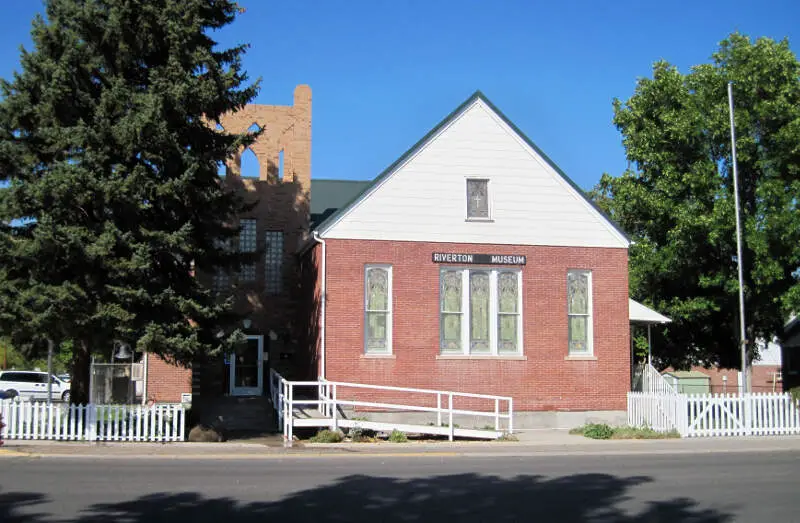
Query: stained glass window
507, 312
378, 309
451, 299
579, 311
477, 199
479, 312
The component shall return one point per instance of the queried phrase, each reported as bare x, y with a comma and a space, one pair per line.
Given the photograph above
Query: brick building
267, 291
471, 264
474, 264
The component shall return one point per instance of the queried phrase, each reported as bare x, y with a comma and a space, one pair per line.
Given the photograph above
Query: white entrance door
247, 368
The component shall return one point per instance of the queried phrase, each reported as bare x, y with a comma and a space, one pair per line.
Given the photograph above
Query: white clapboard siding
706, 415
59, 421
424, 198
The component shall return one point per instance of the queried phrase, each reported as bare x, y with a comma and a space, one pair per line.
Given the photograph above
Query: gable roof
478, 95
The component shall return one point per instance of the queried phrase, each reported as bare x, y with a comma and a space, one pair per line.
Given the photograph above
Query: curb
338, 452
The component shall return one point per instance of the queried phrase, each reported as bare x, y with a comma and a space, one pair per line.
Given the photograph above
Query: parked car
31, 385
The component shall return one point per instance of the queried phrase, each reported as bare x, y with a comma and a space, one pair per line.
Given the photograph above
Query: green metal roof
327, 196
687, 374
329, 220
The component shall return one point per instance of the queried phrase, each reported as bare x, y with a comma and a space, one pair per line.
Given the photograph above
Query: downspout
144, 378
323, 298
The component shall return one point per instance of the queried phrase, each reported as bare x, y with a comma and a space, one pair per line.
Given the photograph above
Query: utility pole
742, 329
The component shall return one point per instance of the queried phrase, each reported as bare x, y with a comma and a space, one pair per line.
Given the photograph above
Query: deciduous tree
676, 200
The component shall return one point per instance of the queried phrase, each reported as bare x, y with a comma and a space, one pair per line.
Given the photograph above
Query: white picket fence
58, 421
704, 415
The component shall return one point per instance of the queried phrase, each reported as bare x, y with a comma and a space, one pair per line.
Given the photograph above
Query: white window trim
389, 311
489, 206
493, 312
590, 315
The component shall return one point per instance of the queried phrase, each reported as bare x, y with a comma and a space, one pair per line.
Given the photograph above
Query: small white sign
186, 397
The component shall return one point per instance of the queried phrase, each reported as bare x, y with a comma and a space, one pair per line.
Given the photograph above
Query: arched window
248, 165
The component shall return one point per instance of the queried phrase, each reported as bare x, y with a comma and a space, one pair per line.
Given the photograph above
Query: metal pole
743, 332
49, 371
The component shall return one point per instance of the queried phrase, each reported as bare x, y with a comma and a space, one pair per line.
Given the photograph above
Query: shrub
398, 436
795, 392
598, 431
507, 437
359, 435
2, 426
327, 436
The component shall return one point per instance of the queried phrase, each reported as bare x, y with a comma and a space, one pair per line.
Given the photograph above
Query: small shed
689, 381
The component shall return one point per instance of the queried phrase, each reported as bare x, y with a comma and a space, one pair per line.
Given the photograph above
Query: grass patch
398, 436
327, 436
643, 433
603, 431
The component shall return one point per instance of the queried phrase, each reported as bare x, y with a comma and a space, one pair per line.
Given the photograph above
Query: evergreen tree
113, 201
677, 200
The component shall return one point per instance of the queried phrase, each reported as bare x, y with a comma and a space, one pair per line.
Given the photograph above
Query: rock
204, 434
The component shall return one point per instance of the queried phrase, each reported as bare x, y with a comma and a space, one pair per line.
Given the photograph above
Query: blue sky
383, 73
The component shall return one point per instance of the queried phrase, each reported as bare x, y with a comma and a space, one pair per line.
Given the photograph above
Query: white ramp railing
60, 421
704, 415
330, 398
654, 383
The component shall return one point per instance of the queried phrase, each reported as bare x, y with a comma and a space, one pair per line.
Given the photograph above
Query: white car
31, 385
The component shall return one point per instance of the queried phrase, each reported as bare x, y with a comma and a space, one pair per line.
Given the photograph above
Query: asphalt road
700, 488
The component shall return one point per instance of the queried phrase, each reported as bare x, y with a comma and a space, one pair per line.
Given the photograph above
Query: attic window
477, 199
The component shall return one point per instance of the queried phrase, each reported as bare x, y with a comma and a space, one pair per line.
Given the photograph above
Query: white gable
424, 197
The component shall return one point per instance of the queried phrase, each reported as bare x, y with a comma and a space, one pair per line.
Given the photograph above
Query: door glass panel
246, 368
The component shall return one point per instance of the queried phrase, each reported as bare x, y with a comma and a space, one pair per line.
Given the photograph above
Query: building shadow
464, 498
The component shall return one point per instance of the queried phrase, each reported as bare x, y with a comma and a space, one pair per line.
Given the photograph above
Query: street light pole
742, 329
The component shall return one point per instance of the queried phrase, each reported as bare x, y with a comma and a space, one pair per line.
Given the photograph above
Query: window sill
485, 220
581, 357
517, 357
378, 356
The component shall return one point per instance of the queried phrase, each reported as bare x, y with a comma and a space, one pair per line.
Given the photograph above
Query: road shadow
464, 498
15, 507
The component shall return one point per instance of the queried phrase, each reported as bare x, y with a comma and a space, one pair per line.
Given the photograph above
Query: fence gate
699, 415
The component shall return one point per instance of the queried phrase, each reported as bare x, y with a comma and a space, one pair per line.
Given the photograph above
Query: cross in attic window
478, 199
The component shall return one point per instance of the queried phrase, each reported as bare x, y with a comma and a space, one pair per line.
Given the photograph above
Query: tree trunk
81, 363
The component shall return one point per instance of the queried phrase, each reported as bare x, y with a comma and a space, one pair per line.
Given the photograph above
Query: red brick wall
166, 382
545, 380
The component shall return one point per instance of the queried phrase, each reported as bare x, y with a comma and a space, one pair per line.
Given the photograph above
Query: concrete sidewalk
531, 443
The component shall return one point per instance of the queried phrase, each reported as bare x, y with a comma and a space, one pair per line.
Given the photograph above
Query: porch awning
638, 313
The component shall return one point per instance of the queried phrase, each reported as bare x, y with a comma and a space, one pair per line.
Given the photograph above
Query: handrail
409, 389
328, 403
